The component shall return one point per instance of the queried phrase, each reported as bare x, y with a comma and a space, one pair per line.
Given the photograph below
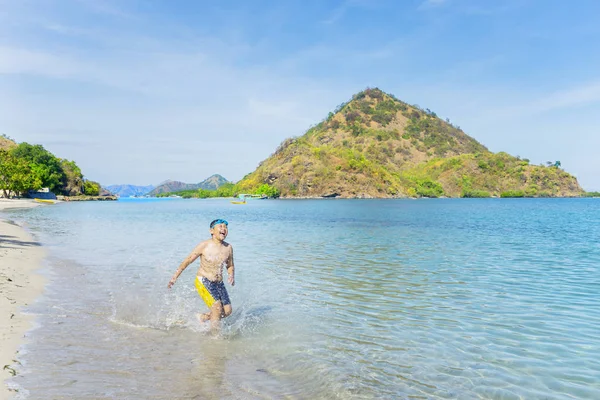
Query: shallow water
334, 299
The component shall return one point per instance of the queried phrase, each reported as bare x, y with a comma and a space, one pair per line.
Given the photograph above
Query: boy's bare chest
215, 255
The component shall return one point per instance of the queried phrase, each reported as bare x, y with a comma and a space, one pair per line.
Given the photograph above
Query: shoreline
20, 285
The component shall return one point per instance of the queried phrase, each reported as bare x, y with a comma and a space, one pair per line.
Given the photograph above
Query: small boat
253, 196
44, 201
242, 200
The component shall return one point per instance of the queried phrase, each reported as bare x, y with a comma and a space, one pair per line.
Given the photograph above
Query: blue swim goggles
218, 222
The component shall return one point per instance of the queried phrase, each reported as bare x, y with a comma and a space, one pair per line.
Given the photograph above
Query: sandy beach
20, 257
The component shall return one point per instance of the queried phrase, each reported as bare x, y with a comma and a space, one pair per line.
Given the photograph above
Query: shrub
475, 194
317, 152
356, 129
365, 107
426, 187
374, 93
383, 118
531, 191
512, 193
268, 190
91, 188
591, 194
352, 116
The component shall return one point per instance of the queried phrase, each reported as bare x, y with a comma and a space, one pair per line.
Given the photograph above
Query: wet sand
20, 257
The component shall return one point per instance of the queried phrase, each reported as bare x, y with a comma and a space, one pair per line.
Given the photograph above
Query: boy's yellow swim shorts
211, 291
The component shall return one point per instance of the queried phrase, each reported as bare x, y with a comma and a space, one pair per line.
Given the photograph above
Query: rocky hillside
210, 183
6, 143
378, 146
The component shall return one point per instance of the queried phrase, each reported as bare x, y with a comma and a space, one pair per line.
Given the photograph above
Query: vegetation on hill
25, 167
489, 174
226, 190
378, 146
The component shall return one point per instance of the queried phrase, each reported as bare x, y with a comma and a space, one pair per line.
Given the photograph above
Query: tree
268, 190
557, 164
44, 163
16, 175
91, 188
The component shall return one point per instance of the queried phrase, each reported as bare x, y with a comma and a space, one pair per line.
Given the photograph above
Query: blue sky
142, 91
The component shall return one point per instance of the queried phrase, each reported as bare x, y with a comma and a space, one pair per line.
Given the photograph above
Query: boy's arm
231, 269
188, 260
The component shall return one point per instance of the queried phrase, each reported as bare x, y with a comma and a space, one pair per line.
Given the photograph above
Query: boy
215, 254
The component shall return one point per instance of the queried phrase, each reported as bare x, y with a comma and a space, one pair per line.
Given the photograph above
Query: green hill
378, 146
25, 167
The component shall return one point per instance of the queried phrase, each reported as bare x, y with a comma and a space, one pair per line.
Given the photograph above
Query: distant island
169, 188
213, 182
129, 190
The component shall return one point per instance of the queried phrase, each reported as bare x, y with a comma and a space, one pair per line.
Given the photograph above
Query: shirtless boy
215, 254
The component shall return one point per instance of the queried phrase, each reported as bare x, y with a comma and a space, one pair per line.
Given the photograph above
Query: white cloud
571, 97
16, 60
517, 103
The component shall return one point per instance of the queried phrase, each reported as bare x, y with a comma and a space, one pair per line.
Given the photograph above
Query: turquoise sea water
334, 299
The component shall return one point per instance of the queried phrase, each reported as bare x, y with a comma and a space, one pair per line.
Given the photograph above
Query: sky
141, 91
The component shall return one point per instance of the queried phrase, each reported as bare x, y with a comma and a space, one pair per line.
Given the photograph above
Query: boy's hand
231, 280
171, 282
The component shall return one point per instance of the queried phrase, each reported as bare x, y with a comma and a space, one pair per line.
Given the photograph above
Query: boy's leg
206, 295
216, 311
224, 297
227, 310
203, 317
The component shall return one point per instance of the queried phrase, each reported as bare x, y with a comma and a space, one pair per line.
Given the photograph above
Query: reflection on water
493, 299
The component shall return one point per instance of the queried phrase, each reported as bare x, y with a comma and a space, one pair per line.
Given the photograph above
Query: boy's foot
203, 317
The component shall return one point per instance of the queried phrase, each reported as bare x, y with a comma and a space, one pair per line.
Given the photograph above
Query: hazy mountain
129, 190
210, 183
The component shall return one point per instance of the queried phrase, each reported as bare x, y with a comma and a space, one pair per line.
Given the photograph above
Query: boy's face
219, 231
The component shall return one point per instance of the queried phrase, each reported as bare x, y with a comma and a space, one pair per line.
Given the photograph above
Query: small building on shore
43, 193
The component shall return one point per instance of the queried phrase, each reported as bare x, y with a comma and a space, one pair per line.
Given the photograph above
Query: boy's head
218, 229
